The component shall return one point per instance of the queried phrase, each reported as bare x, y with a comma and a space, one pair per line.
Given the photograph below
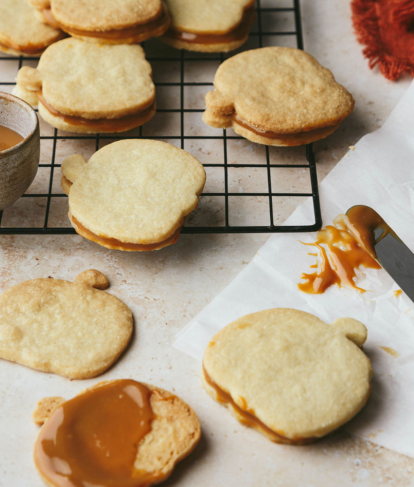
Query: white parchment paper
378, 173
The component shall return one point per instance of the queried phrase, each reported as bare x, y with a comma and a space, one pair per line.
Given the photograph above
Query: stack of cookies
98, 81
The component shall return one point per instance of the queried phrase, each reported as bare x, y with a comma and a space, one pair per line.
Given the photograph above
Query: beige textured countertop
165, 289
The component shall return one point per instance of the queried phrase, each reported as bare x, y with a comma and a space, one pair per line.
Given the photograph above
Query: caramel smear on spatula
341, 255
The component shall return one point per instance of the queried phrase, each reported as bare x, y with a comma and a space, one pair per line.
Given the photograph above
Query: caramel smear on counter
341, 255
92, 440
397, 293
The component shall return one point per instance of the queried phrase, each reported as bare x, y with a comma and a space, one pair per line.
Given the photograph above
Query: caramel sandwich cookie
106, 21
277, 96
90, 88
133, 194
21, 33
209, 25
288, 374
74, 329
116, 433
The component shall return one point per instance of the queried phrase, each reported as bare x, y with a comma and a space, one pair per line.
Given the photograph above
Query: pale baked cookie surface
175, 432
106, 21
96, 81
206, 16
69, 328
300, 377
280, 90
20, 30
101, 15
91, 88
134, 191
220, 26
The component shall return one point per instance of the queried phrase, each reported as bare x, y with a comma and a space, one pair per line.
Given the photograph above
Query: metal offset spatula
380, 240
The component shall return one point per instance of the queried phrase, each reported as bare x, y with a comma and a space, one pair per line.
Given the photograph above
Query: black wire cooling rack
246, 183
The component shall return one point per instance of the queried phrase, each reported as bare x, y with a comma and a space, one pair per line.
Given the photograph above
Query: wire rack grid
242, 196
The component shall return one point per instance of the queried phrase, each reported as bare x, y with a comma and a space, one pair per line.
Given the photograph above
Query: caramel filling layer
162, 20
238, 33
341, 252
93, 438
103, 124
26, 50
113, 243
285, 137
247, 416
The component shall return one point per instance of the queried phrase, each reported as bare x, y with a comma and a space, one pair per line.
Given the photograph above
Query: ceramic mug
18, 164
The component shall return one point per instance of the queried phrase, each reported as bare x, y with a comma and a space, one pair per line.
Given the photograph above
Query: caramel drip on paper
341, 255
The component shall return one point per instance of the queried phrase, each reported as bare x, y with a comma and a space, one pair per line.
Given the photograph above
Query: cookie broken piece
119, 432
209, 25
106, 21
90, 88
21, 33
73, 329
132, 195
288, 374
277, 96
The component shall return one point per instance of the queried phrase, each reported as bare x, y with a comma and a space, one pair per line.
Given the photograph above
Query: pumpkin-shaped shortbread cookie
288, 374
209, 25
116, 433
86, 87
132, 194
21, 32
106, 21
277, 96
74, 329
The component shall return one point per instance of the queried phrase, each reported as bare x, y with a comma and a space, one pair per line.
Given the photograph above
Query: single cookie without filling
106, 21
116, 433
277, 96
133, 194
21, 33
74, 329
91, 88
209, 25
288, 374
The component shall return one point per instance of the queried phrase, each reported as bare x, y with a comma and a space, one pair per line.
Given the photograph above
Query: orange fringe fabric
386, 28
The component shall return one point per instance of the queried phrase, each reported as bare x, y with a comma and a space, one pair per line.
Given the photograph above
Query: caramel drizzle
238, 33
163, 20
104, 124
93, 439
341, 254
247, 416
